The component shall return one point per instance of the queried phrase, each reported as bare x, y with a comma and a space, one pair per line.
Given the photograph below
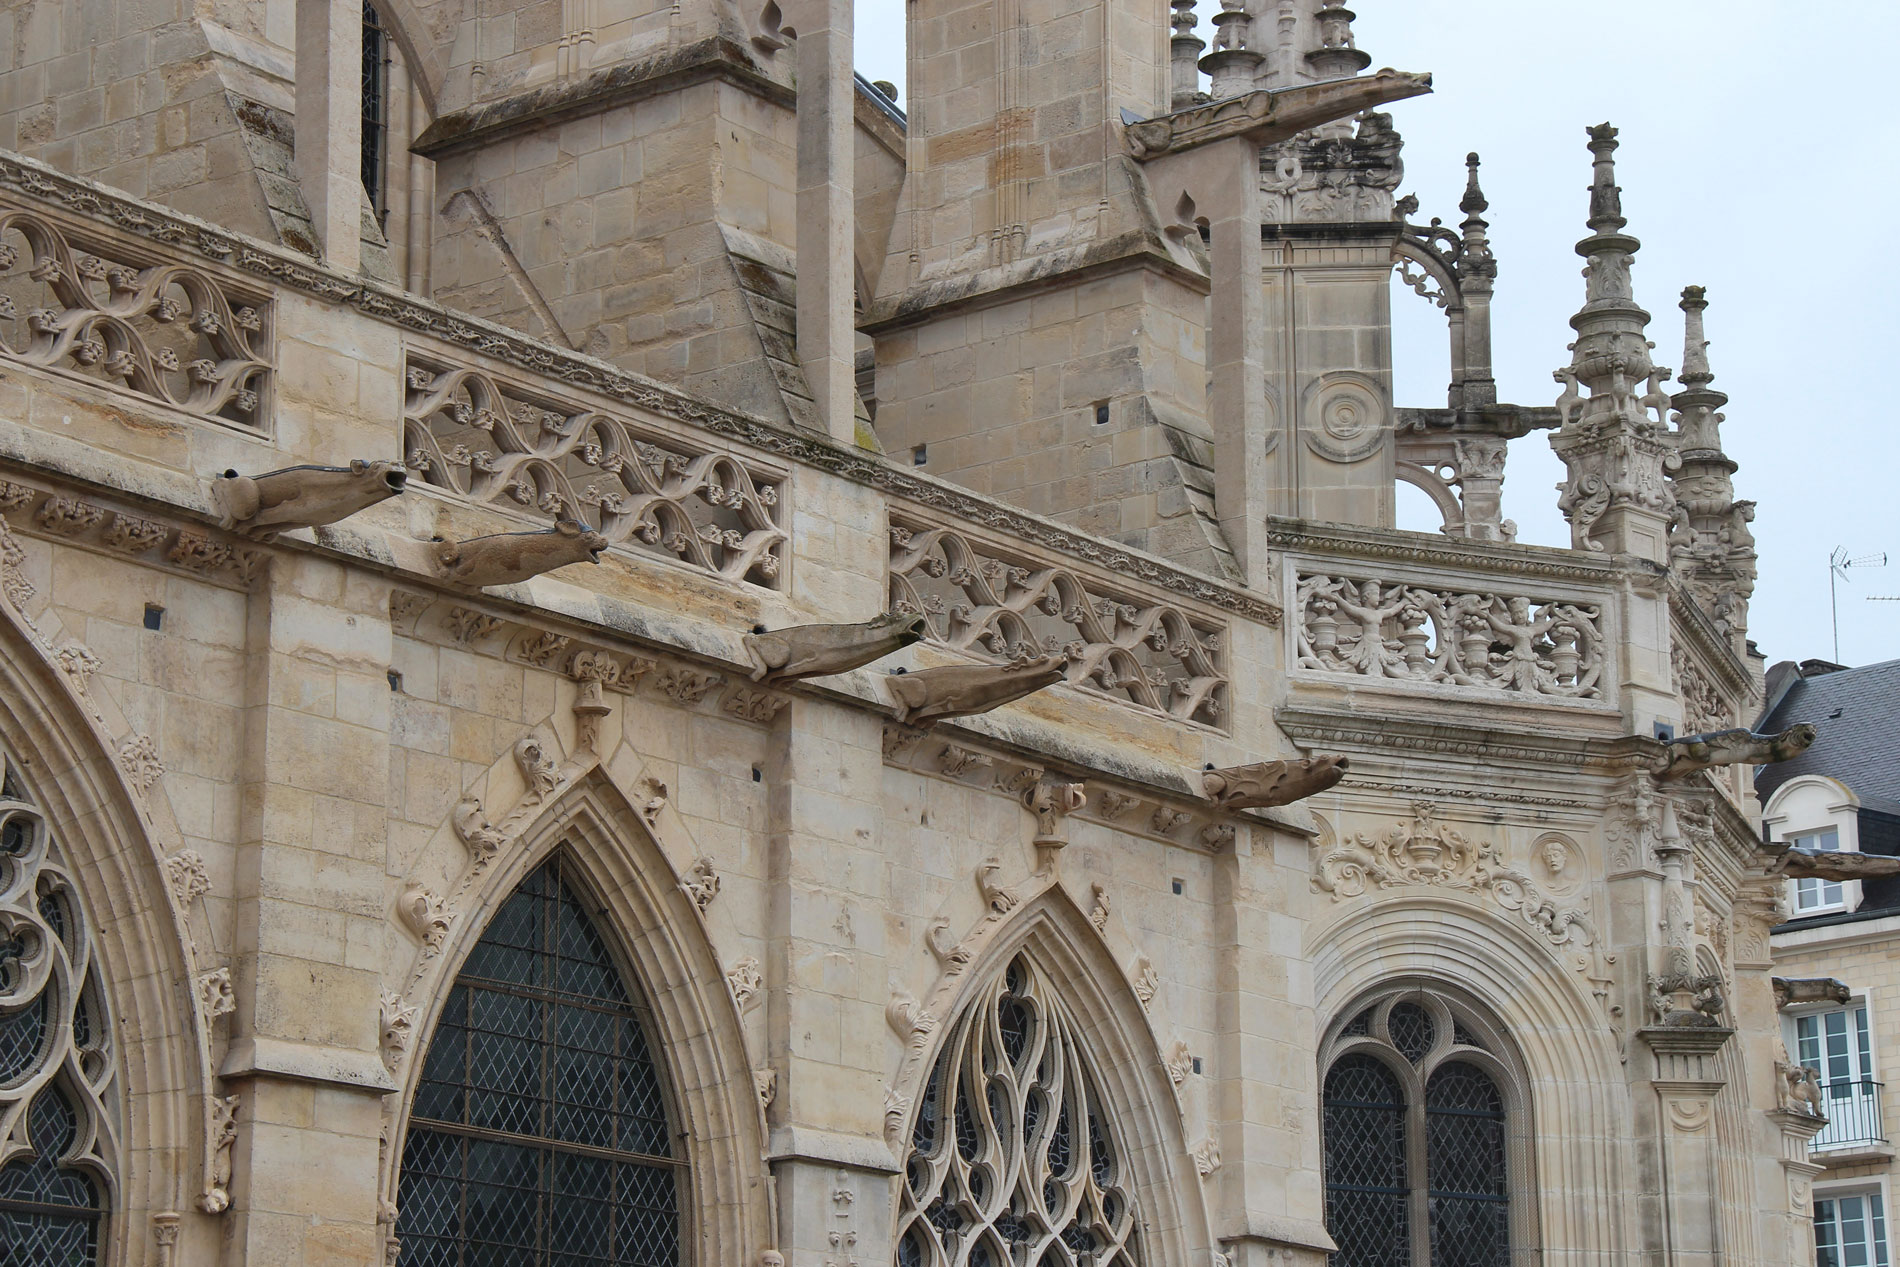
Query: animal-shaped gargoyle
1691, 753
1794, 991
304, 496
786, 655
963, 690
1268, 783
1815, 864
511, 557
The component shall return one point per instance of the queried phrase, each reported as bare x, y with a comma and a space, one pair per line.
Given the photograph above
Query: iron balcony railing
1852, 1106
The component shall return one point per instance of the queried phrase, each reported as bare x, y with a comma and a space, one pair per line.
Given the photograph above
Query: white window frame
1875, 1186
1812, 896
1807, 806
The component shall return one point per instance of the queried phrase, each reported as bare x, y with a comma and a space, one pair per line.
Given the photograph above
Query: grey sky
1764, 183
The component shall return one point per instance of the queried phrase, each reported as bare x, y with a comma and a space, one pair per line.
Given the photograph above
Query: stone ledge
306, 1062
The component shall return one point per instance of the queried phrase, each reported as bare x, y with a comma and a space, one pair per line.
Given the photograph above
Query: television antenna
1837, 564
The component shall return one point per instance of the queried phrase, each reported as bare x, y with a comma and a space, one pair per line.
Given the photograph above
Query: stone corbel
1051, 802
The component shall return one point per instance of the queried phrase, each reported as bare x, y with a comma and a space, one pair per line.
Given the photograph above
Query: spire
1185, 55
1711, 547
1337, 56
1615, 497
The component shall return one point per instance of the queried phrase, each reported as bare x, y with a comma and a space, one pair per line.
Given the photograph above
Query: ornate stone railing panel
1488, 639
117, 314
1005, 605
505, 444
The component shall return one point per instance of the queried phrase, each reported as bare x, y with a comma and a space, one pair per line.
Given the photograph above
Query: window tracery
58, 1129
541, 1132
1420, 1158
1014, 1160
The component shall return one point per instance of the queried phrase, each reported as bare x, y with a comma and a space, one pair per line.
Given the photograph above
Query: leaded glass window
540, 1134
1014, 1158
58, 1135
375, 110
1417, 1143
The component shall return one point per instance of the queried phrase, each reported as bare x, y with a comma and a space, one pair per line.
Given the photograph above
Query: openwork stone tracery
166, 331
1013, 1156
977, 598
58, 1130
1493, 641
499, 443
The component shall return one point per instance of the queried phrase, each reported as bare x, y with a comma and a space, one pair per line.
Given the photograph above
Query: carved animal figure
1800, 1089
508, 558
304, 496
1571, 401
1691, 753
786, 655
1268, 783
1791, 991
963, 690
1810, 864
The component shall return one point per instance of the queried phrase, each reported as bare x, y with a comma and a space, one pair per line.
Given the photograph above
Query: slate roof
1857, 714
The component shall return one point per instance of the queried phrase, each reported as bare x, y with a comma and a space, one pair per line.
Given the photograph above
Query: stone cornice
1390, 734
289, 269
715, 58
1491, 558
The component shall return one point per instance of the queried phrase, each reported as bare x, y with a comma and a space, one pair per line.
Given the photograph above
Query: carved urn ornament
508, 558
786, 655
1691, 753
963, 690
304, 496
1268, 783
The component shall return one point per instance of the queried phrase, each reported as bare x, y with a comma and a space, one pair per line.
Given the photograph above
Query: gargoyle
786, 655
1812, 864
1794, 991
507, 558
1269, 783
1691, 753
963, 690
304, 496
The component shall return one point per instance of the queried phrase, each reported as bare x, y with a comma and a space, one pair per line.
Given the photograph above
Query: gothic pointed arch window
1423, 1114
542, 1130
58, 1094
1014, 1158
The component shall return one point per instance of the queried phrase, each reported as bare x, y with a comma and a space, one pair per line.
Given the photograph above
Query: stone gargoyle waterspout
1268, 783
786, 655
1691, 753
963, 690
304, 496
508, 558
1814, 864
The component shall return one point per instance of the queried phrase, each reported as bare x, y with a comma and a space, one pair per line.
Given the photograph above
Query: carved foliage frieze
1008, 605
505, 444
169, 332
1422, 633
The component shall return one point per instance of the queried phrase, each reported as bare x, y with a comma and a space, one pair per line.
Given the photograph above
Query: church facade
618, 651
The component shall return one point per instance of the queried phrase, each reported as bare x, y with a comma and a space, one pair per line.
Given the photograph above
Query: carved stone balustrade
1487, 639
501, 443
1005, 605
122, 315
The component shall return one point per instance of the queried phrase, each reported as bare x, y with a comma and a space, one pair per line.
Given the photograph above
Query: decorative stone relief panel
507, 445
1471, 638
1007, 605
166, 331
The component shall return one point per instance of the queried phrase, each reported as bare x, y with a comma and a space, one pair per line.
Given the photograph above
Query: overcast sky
1745, 168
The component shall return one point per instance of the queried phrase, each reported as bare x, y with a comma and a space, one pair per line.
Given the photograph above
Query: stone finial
1606, 196
1473, 203
1695, 348
1184, 55
1234, 66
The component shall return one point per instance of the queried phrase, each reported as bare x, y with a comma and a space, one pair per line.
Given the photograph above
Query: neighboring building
379, 884
1843, 794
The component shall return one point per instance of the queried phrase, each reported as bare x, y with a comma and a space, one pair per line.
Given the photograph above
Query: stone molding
1490, 558
1385, 733
96, 524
